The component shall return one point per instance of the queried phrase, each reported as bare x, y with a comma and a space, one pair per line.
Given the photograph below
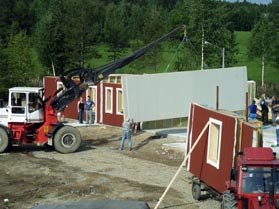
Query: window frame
107, 110
212, 133
118, 90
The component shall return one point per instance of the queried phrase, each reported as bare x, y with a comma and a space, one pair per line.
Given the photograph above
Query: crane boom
74, 90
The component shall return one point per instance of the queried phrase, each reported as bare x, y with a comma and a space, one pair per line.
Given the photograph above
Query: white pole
202, 49
53, 69
262, 71
223, 57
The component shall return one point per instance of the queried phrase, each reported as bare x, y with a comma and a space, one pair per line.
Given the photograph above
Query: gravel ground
33, 175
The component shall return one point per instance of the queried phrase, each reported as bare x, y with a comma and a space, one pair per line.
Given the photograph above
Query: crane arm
74, 90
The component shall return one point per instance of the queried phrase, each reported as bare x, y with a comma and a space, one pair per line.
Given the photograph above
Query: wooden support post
246, 106
217, 97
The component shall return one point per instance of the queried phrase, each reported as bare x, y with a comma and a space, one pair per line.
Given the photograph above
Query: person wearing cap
126, 134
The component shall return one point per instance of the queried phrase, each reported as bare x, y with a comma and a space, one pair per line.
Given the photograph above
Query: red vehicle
31, 118
254, 182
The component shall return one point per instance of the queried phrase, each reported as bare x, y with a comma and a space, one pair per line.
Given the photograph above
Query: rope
184, 39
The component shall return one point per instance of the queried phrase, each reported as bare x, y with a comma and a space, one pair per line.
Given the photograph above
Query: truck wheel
222, 205
196, 191
67, 139
4, 140
228, 201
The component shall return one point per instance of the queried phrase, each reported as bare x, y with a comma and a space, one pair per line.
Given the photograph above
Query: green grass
166, 58
102, 50
254, 67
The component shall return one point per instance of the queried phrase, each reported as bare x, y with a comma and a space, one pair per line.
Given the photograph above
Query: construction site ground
32, 175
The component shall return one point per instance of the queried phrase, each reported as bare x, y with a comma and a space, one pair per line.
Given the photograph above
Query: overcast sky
254, 1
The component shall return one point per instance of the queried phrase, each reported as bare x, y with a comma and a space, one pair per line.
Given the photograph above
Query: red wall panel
113, 118
212, 176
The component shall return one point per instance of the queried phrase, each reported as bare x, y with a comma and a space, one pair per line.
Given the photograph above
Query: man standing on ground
277, 128
274, 104
89, 105
126, 128
253, 110
80, 107
264, 110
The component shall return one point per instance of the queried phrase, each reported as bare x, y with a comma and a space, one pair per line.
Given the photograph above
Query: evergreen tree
20, 68
50, 36
154, 27
79, 23
114, 33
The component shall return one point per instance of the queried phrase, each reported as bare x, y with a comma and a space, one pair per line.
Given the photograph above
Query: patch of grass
39, 196
101, 50
254, 67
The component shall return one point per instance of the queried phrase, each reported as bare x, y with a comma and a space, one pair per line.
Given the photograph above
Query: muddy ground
31, 175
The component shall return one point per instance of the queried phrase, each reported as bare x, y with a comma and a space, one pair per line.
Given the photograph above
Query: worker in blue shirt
126, 134
253, 110
89, 105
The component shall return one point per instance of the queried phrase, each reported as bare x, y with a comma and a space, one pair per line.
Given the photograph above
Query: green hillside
254, 67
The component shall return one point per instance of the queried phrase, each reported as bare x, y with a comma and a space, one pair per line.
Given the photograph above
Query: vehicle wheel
222, 205
4, 140
229, 201
67, 139
196, 191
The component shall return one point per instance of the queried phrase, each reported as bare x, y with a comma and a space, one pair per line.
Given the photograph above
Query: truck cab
25, 105
257, 180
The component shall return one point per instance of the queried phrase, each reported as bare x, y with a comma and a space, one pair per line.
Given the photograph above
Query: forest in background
47, 37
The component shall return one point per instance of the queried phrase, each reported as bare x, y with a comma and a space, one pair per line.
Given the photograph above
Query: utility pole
202, 49
223, 57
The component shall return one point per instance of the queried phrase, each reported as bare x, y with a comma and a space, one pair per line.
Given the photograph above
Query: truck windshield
259, 180
35, 102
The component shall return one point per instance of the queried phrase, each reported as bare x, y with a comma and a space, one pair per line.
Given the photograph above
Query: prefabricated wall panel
168, 95
109, 110
213, 157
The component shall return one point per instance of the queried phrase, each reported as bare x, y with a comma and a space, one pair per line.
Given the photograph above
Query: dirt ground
31, 175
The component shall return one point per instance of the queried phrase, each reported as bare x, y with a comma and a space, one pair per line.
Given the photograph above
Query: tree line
48, 37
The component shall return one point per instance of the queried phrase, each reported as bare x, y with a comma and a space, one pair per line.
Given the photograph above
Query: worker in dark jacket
274, 105
264, 110
126, 134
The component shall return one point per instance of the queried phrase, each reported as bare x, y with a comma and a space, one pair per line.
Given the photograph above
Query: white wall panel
168, 95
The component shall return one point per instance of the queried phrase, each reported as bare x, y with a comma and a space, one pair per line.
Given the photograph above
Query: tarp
169, 95
97, 204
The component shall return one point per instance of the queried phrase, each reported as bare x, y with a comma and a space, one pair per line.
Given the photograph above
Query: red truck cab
256, 183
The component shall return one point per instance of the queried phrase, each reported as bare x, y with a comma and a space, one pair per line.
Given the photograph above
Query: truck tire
4, 140
196, 191
67, 139
228, 201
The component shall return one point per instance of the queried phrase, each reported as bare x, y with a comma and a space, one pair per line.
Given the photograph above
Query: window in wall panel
108, 100
214, 142
119, 102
